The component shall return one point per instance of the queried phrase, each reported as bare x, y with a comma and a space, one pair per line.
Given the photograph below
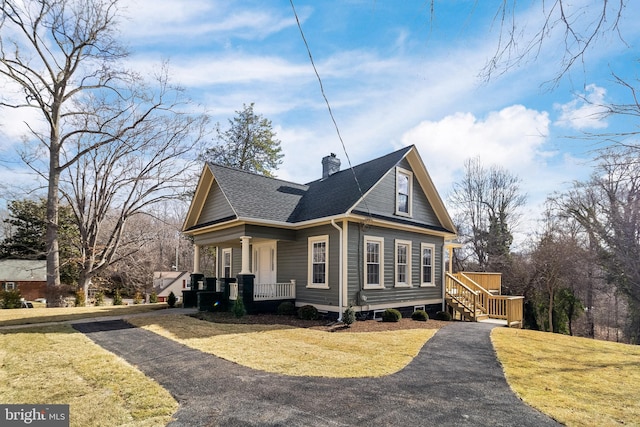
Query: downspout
340, 281
444, 273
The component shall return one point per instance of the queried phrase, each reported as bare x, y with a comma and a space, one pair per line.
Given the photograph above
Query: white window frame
311, 242
424, 246
404, 172
407, 282
224, 266
9, 286
380, 241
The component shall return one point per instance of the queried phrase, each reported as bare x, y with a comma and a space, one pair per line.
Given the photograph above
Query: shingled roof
260, 197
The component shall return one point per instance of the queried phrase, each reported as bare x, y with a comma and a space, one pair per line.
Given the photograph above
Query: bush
80, 299
117, 298
153, 298
238, 309
286, 308
137, 299
10, 299
349, 316
308, 312
443, 315
171, 299
99, 299
420, 316
391, 315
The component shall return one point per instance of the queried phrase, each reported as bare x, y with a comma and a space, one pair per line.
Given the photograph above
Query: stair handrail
460, 296
483, 295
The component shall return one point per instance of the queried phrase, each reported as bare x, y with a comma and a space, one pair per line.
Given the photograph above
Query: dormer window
404, 189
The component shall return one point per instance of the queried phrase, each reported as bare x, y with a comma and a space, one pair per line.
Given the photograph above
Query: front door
264, 261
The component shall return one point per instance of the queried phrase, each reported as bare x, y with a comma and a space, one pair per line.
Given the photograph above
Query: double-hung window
427, 251
226, 262
318, 262
403, 263
404, 188
373, 262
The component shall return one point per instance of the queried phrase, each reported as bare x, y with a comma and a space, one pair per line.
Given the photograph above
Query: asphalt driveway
455, 380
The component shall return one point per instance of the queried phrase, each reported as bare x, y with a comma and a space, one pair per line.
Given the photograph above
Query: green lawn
57, 365
28, 316
579, 382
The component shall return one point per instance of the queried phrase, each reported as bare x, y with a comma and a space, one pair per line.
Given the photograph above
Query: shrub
420, 315
349, 316
80, 299
442, 315
153, 298
117, 298
286, 308
10, 299
171, 299
308, 312
99, 299
238, 309
391, 315
137, 299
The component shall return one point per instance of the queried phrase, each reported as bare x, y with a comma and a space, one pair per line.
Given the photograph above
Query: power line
326, 100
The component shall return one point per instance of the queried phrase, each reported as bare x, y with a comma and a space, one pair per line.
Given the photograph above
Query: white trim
311, 241
408, 272
380, 241
395, 304
316, 222
222, 264
6, 285
432, 282
404, 172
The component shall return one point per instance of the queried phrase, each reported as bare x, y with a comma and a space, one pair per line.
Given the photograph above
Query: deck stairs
470, 301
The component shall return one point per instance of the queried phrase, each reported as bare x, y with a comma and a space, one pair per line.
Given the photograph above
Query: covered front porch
243, 267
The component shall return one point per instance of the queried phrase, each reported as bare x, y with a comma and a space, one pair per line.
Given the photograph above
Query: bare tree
63, 57
608, 208
108, 187
488, 201
576, 26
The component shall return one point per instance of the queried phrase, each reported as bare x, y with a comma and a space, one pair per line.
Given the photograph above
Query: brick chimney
330, 165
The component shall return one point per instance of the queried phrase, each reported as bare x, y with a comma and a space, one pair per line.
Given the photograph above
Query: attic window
404, 190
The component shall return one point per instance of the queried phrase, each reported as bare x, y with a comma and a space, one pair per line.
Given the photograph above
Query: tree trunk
54, 292
550, 309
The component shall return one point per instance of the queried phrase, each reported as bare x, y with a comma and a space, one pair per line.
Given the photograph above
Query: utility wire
326, 100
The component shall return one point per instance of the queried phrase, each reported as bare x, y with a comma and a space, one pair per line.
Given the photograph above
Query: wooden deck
473, 302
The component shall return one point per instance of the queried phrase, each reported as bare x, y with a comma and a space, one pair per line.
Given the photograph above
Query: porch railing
233, 291
274, 291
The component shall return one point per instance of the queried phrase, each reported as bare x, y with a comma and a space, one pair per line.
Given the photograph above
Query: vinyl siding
216, 206
293, 263
390, 293
382, 200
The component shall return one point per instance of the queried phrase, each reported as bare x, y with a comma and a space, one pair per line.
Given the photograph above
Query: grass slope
295, 351
577, 381
56, 365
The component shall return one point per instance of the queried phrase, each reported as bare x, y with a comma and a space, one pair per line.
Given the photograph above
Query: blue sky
393, 74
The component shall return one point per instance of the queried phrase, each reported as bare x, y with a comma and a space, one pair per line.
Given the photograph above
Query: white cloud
512, 138
585, 111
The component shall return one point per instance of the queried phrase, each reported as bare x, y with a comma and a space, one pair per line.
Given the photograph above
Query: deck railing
492, 282
274, 291
509, 308
463, 294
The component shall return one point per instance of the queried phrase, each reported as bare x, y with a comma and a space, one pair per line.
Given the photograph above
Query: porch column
246, 255
196, 259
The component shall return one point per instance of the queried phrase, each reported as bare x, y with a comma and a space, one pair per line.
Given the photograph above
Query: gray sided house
372, 237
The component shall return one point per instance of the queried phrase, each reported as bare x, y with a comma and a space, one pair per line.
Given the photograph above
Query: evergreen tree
249, 144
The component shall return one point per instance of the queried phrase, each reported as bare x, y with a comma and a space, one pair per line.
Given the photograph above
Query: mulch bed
321, 324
